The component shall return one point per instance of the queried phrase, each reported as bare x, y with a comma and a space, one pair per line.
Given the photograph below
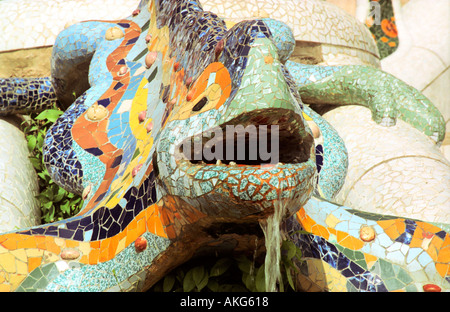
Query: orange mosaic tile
95, 244
113, 247
443, 269
33, 263
370, 259
444, 253
428, 227
94, 256
40, 242
351, 242
393, 228
154, 222
10, 241
320, 230
51, 245
71, 243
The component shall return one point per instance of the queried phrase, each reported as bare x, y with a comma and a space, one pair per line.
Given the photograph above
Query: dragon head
232, 139
213, 121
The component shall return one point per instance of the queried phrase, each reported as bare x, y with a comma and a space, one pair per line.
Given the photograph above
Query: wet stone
431, 288
114, 33
70, 254
140, 244
367, 234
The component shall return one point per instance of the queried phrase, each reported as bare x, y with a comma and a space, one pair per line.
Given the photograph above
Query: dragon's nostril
197, 107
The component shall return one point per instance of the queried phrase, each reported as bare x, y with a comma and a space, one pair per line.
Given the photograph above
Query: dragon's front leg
386, 96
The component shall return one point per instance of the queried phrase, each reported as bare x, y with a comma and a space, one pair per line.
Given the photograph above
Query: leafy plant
228, 274
290, 253
55, 202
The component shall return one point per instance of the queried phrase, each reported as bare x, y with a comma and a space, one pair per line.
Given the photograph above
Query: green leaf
24, 124
52, 191
220, 267
249, 281
65, 208
168, 283
203, 282
244, 264
180, 275
31, 142
44, 176
46, 195
76, 205
47, 205
157, 288
298, 254
50, 114
33, 128
289, 277
77, 200
199, 275
37, 163
49, 216
40, 140
286, 261
290, 247
60, 194
260, 280
213, 285
188, 281
301, 232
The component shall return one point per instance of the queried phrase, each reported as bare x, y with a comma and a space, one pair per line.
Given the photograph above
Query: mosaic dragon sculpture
146, 85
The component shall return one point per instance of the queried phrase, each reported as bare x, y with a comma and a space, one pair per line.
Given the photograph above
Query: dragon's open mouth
265, 136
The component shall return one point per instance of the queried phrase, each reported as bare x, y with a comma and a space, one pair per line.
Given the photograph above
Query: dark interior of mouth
267, 136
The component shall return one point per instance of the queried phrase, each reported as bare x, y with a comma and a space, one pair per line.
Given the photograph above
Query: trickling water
272, 233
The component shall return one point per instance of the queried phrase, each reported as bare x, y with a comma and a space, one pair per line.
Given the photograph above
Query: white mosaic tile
423, 30
35, 23
303, 16
18, 181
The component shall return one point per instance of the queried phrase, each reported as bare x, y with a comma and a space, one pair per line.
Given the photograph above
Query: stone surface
114, 33
96, 113
18, 181
423, 30
431, 288
70, 254
27, 24
392, 170
367, 234
348, 37
140, 244
33, 62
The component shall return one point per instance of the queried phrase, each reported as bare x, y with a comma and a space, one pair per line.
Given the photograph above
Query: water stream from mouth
272, 233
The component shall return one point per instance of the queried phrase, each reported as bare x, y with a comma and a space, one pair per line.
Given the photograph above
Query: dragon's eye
200, 104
